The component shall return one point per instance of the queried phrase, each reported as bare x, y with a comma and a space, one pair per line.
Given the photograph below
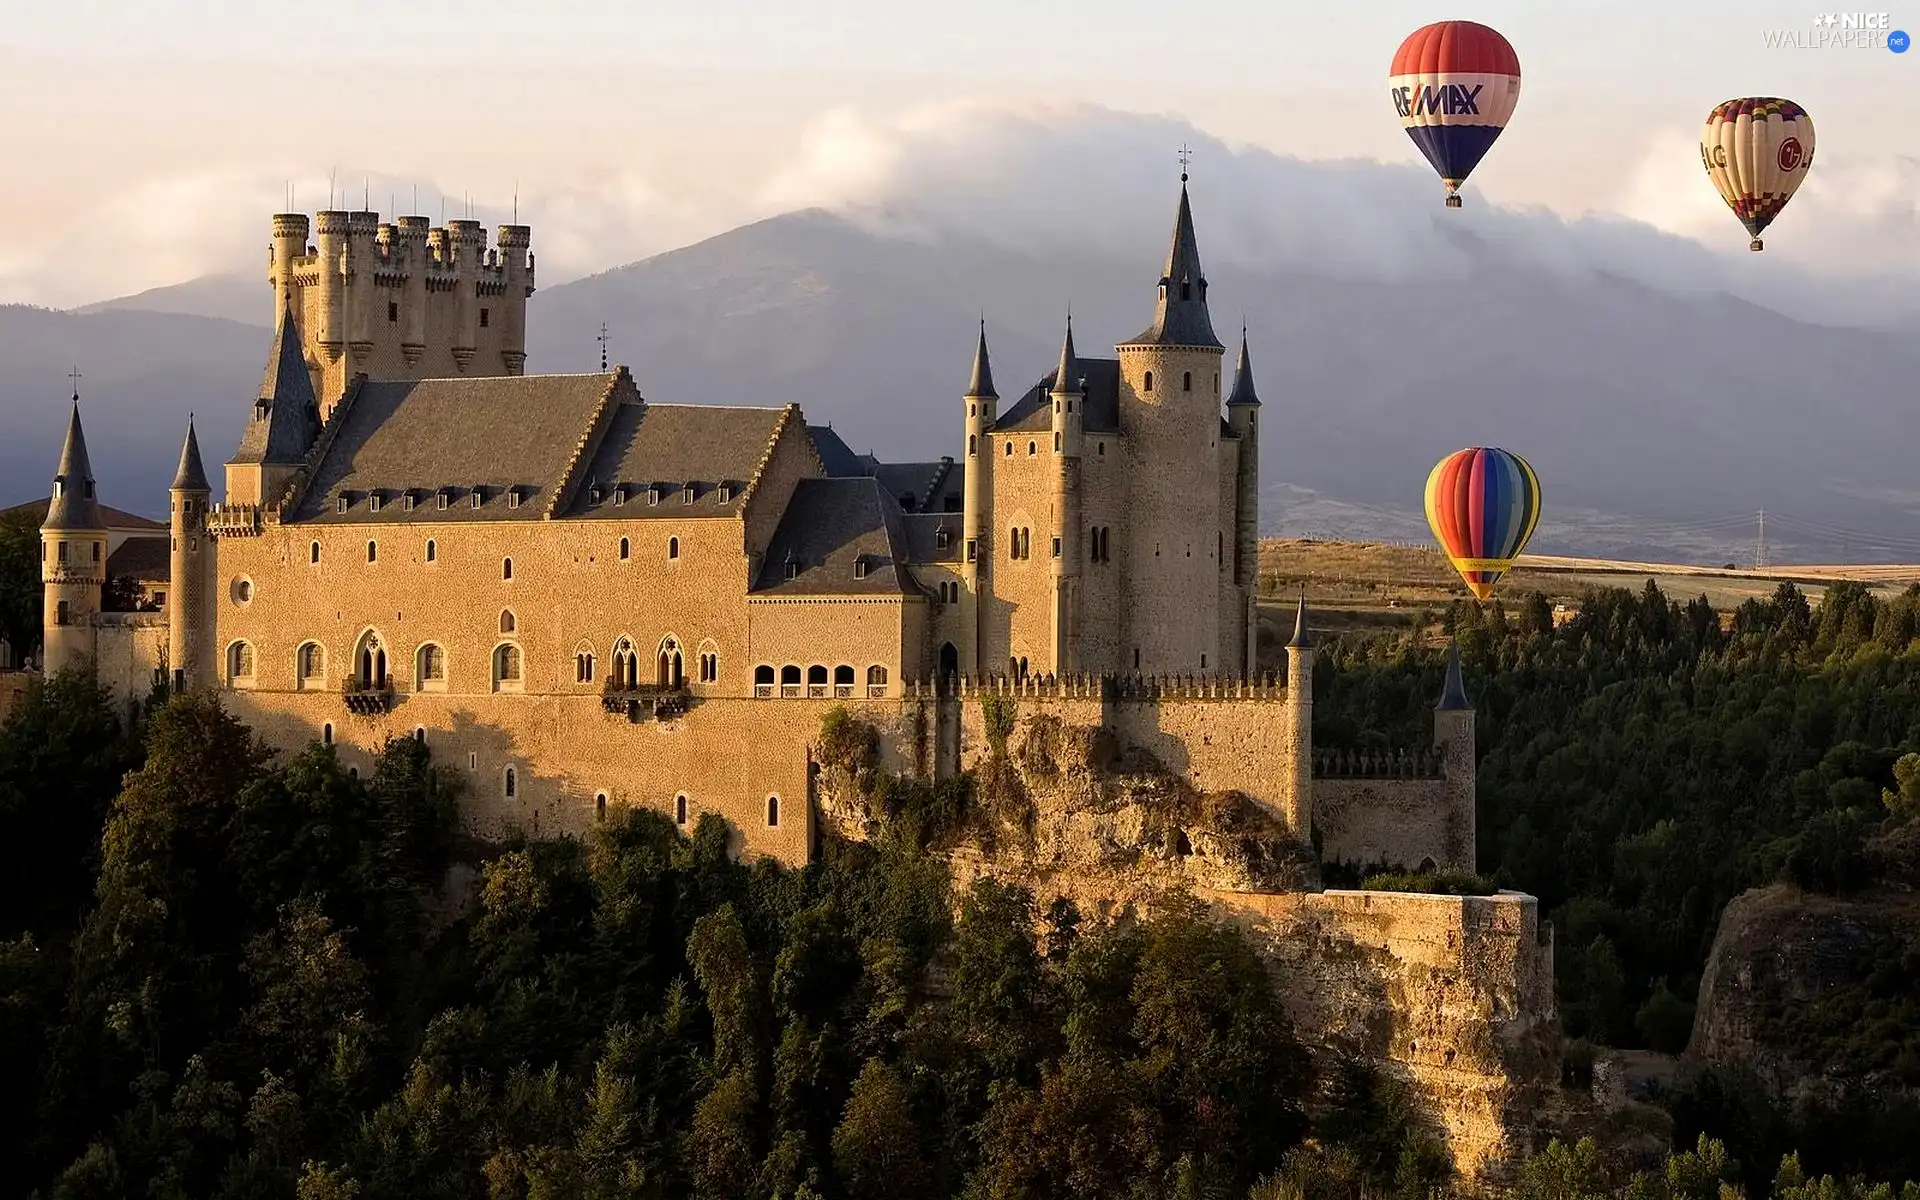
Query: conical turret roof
981, 385
74, 504
1180, 317
285, 418
1243, 392
1066, 377
1301, 638
191, 476
1453, 693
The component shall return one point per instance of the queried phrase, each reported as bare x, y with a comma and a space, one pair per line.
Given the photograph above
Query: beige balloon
1757, 151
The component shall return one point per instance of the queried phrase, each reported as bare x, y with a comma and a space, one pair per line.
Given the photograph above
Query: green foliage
850, 744
998, 713
20, 614
1443, 883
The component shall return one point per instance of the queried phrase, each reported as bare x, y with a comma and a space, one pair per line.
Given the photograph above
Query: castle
583, 597
579, 598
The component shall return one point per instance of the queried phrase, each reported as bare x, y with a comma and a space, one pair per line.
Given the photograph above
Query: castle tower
73, 557
516, 284
467, 241
977, 515
327, 322
283, 428
357, 286
1243, 417
410, 237
1170, 412
1069, 409
189, 613
1453, 736
289, 250
1299, 804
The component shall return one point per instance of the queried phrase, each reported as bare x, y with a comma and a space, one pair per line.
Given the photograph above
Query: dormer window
724, 495
686, 494
373, 501
406, 501
906, 502
260, 410
940, 538
619, 496
653, 495
860, 567
793, 568
440, 501
513, 497
476, 497
343, 503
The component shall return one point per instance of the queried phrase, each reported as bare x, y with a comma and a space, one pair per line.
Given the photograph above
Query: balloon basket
1454, 202
1757, 244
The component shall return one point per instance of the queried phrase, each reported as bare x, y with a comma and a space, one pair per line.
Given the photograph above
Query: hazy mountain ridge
1671, 411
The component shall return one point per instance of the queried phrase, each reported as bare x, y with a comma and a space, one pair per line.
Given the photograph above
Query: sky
143, 143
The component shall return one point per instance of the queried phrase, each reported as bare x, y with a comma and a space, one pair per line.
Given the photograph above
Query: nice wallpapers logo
1842, 31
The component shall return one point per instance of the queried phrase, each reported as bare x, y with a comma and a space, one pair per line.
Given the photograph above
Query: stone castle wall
1411, 823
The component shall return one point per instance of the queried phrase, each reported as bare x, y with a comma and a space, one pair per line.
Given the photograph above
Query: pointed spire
1301, 638
74, 505
1066, 376
980, 387
191, 477
1453, 693
285, 418
1180, 318
1243, 392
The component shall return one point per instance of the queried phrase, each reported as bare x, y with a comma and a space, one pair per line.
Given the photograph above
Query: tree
876, 1149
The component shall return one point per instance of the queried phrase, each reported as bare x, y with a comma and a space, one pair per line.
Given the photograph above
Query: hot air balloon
1454, 84
1483, 504
1757, 151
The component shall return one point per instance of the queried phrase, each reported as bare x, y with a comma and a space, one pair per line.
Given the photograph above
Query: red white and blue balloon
1454, 84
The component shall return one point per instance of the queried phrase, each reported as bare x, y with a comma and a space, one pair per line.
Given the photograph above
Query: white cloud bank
1086, 179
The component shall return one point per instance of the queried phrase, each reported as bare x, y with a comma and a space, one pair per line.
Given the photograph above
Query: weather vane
602, 339
74, 375
1186, 159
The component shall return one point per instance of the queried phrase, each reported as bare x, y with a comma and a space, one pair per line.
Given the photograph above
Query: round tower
1299, 799
73, 557
1068, 398
189, 615
977, 507
1453, 737
289, 247
331, 235
468, 242
363, 230
1243, 418
411, 234
516, 279
1170, 415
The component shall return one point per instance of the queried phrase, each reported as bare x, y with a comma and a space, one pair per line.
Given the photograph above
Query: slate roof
929, 485
518, 431
1243, 389
1453, 693
116, 519
191, 476
77, 506
286, 421
980, 384
923, 537
829, 524
673, 445
148, 559
836, 456
1180, 316
1034, 410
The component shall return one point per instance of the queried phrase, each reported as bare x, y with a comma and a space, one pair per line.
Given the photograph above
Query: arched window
843, 681
1023, 667
353, 772
512, 784
773, 812
1186, 381
429, 668
626, 549
326, 734
507, 622
876, 680
972, 447
790, 680
506, 568
709, 662
313, 552
506, 666
431, 549
680, 809
1033, 448
626, 665
1056, 443
1009, 449
1026, 542
373, 551
420, 734
763, 681
1149, 381
310, 664
583, 666
370, 661
240, 662
816, 680
599, 806
673, 547
671, 672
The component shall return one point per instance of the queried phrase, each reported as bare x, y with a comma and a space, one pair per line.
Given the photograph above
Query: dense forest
228, 974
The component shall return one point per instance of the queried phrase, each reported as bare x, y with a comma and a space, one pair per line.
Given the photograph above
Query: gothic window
680, 809
583, 666
310, 663
670, 671
369, 661
626, 549
1013, 543
1026, 543
1106, 547
773, 812
1186, 381
393, 312
710, 667
420, 734
1149, 381
1186, 290
431, 550
506, 666
626, 664
673, 547
507, 622
1093, 544
239, 662
430, 667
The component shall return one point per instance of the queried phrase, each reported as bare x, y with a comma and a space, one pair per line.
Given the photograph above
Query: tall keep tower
1069, 410
189, 611
1170, 412
401, 300
977, 513
73, 557
1243, 418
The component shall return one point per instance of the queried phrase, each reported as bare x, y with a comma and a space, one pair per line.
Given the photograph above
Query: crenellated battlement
1086, 686
1405, 762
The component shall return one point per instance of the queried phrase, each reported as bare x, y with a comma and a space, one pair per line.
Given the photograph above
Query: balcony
366, 697
642, 700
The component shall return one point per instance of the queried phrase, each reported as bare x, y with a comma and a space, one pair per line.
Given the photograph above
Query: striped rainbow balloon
1483, 505
1454, 84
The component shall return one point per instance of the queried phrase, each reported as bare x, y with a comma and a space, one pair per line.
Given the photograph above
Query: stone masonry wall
1400, 822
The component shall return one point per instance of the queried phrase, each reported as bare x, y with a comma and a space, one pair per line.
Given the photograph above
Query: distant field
1377, 584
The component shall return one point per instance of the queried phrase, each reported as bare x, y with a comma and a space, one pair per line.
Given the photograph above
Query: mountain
242, 298
1655, 419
